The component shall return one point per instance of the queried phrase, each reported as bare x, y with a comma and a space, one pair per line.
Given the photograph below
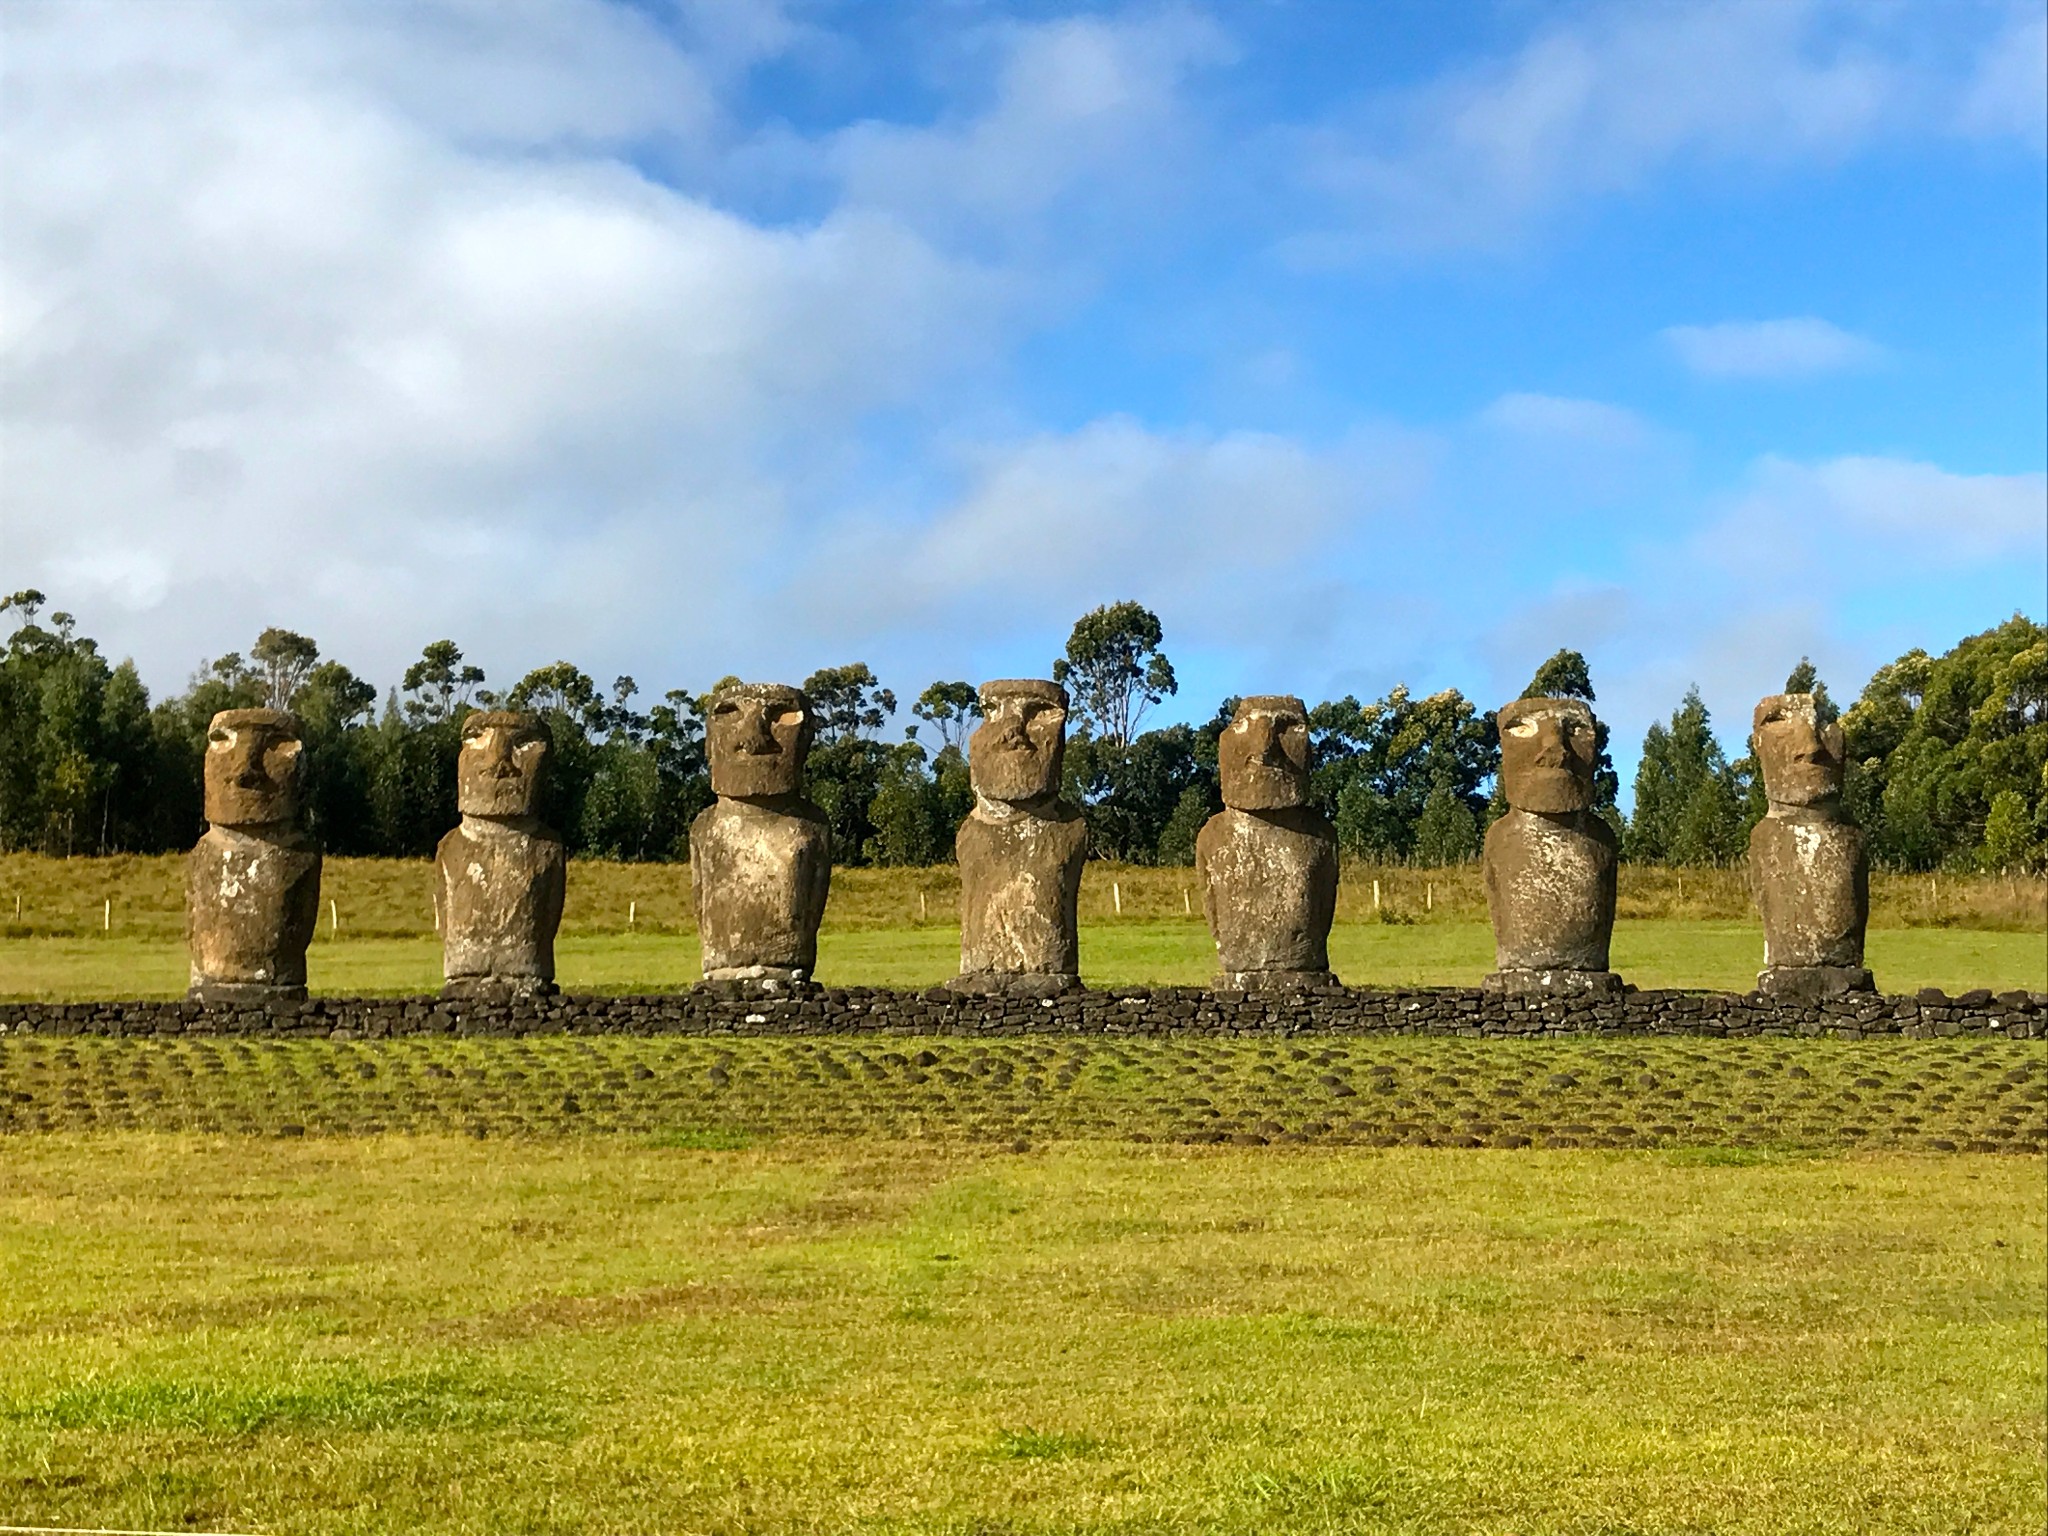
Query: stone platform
733, 1009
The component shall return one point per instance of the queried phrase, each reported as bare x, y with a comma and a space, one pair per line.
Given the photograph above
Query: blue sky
1366, 343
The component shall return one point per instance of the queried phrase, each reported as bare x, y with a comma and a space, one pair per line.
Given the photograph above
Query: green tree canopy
1804, 679
1564, 676
850, 701
437, 686
1689, 802
949, 708
1934, 742
1375, 766
1446, 832
283, 661
1115, 670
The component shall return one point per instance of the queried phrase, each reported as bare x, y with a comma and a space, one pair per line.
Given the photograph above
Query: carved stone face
1014, 754
1262, 756
254, 760
1802, 759
757, 739
504, 754
1548, 751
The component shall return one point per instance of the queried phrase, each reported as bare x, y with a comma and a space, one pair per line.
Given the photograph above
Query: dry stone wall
725, 1009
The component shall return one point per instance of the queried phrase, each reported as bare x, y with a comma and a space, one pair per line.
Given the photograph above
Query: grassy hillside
1699, 955
393, 898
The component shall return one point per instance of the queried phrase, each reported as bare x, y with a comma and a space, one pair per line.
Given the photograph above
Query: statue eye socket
1522, 728
790, 719
725, 710
219, 738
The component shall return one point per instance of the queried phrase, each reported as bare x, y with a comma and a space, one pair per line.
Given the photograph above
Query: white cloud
295, 336
1081, 106
1198, 525
1562, 417
1770, 349
378, 321
1847, 560
1864, 507
1603, 100
2008, 95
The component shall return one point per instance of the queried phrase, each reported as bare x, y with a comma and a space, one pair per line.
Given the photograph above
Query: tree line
1947, 755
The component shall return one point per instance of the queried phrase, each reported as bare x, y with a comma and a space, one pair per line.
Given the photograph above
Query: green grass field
1019, 1287
423, 1334
1695, 953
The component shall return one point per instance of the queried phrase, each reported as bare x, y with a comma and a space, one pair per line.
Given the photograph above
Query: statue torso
498, 890
760, 875
251, 902
1020, 886
1269, 886
1550, 889
1812, 885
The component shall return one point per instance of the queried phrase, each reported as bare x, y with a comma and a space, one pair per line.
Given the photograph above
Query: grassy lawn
1719, 955
422, 1334
1025, 1286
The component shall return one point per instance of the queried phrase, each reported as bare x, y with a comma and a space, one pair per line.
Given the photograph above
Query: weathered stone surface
1807, 866
1524, 982
761, 858
1268, 862
1020, 849
252, 885
499, 876
1813, 983
1549, 862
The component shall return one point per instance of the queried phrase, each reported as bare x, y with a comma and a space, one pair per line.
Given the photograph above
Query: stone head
1262, 755
504, 755
757, 738
255, 760
1802, 759
1548, 751
1015, 753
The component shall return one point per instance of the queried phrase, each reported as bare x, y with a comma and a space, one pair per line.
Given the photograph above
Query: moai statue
1806, 864
1267, 861
761, 858
1020, 849
1550, 860
252, 885
499, 876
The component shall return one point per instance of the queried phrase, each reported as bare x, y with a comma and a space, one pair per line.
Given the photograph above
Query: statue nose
755, 739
